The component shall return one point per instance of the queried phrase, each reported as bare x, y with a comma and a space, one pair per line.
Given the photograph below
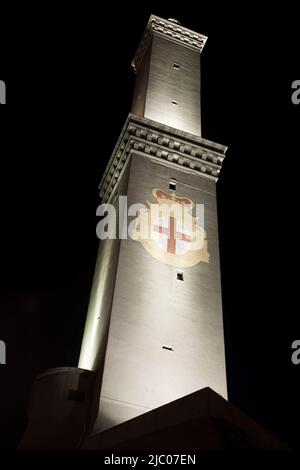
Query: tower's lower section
158, 337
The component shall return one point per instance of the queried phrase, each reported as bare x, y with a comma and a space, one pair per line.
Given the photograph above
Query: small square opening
172, 185
176, 66
179, 276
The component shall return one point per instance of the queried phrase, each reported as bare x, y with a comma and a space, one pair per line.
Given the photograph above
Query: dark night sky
69, 86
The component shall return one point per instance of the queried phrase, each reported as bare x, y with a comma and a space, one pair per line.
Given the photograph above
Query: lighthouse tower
154, 328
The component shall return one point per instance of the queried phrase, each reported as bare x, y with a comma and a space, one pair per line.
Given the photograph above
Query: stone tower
154, 329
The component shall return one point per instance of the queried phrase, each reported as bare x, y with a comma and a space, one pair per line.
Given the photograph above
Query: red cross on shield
171, 235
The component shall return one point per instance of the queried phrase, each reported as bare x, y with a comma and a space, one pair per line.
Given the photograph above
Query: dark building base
200, 421
62, 410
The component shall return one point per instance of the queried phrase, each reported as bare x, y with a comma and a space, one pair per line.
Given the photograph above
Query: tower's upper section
167, 65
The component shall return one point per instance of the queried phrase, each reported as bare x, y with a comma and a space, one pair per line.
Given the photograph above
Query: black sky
69, 89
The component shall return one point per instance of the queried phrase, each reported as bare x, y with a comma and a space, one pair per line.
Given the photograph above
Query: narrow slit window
167, 347
174, 102
176, 66
180, 276
172, 185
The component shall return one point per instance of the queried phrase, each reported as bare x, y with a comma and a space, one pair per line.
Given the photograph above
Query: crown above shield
163, 196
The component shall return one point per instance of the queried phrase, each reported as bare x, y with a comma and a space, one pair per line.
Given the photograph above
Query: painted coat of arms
169, 232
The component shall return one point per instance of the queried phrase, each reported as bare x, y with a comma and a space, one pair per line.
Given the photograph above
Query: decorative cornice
162, 143
171, 31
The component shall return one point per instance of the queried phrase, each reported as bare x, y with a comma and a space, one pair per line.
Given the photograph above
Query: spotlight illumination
154, 326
